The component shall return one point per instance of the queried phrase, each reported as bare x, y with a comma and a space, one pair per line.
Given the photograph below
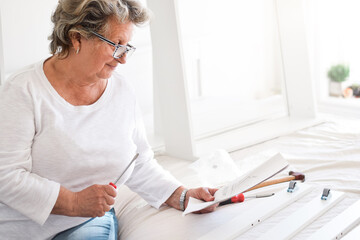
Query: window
212, 109
334, 40
232, 62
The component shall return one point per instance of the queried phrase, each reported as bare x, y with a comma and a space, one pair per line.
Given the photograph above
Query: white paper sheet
215, 169
259, 174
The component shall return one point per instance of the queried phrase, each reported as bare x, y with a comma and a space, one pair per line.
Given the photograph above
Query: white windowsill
215, 115
242, 137
253, 134
340, 106
248, 124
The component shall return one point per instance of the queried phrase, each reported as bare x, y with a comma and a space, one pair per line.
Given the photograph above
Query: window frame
172, 104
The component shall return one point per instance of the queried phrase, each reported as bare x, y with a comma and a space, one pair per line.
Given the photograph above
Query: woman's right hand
95, 200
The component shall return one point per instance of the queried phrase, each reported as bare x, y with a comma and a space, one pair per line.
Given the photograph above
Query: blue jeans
102, 228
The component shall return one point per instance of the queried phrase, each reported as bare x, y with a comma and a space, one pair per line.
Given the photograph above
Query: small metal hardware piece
326, 194
292, 185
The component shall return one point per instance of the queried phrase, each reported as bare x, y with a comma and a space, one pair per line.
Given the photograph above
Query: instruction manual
259, 174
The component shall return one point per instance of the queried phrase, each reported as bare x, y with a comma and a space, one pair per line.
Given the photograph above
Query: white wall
25, 28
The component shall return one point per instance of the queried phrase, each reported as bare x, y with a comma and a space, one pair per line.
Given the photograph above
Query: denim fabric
99, 228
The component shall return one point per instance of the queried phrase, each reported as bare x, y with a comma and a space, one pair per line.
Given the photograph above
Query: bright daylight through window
232, 63
334, 37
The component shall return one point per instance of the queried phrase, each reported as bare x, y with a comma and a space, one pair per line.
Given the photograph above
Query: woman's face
97, 56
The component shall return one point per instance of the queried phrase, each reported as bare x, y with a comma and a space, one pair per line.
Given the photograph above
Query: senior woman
69, 125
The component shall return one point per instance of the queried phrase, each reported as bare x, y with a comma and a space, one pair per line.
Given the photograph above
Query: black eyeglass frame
128, 47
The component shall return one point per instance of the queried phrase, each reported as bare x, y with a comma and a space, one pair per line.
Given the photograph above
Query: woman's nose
122, 60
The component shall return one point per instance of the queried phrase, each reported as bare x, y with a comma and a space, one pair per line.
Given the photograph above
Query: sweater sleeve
149, 179
20, 189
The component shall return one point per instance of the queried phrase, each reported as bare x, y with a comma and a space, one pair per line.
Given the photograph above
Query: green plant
339, 73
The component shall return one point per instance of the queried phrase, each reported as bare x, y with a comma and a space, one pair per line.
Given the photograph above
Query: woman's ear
75, 38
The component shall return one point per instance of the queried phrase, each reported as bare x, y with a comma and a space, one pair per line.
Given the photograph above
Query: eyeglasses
120, 50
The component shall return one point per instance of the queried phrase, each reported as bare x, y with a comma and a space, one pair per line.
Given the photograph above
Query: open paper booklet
259, 174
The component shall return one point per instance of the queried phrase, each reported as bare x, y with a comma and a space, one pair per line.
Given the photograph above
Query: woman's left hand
202, 193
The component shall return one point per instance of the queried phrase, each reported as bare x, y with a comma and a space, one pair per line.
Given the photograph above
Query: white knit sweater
46, 142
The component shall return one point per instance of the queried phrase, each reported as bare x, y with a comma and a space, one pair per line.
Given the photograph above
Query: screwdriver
114, 184
240, 198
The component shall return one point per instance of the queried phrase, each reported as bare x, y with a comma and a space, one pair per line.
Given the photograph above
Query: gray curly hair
82, 16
